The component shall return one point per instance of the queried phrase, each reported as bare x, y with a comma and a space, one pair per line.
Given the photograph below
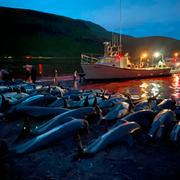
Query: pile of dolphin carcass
70, 110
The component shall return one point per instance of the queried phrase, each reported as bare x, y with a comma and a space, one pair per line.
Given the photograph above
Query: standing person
4, 75
27, 69
55, 76
33, 74
10, 77
74, 75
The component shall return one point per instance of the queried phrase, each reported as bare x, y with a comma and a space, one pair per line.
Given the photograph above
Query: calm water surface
164, 87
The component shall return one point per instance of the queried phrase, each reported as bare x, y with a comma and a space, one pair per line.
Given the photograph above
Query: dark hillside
27, 32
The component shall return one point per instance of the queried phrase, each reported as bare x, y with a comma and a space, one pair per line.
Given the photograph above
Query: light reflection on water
162, 87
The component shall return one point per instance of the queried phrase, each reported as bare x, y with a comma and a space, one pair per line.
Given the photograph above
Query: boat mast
114, 48
120, 37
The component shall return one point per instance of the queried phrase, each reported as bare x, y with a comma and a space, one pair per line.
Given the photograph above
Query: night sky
139, 17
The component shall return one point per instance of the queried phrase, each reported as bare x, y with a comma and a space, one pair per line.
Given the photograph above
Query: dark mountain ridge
28, 32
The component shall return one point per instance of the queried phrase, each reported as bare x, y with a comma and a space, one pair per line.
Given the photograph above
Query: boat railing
88, 58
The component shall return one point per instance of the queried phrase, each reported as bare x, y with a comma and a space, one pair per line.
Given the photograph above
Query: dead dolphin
60, 102
56, 91
160, 123
110, 102
175, 133
40, 112
167, 104
118, 111
83, 102
4, 89
143, 117
153, 103
60, 132
119, 133
37, 100
14, 96
177, 112
60, 119
141, 106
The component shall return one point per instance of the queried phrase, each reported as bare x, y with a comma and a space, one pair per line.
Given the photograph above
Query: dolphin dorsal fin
95, 101
86, 102
65, 103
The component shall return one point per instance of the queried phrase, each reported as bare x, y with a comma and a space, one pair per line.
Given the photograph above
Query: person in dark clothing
55, 77
74, 75
10, 77
4, 74
33, 74
27, 72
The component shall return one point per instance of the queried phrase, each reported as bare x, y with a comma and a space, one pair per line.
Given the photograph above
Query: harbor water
163, 87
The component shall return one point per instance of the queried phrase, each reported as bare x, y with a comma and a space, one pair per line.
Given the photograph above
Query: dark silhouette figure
33, 74
27, 70
74, 75
55, 76
5, 75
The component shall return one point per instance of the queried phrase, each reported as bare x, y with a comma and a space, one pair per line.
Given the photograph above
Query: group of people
30, 74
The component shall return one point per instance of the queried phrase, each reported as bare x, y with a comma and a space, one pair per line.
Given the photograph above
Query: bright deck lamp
176, 54
144, 55
157, 54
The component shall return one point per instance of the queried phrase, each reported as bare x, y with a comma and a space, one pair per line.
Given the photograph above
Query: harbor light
144, 55
119, 55
176, 54
156, 54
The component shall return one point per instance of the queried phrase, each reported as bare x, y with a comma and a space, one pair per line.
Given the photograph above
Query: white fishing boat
114, 67
104, 71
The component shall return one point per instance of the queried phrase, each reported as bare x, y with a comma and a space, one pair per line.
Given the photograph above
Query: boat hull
99, 71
